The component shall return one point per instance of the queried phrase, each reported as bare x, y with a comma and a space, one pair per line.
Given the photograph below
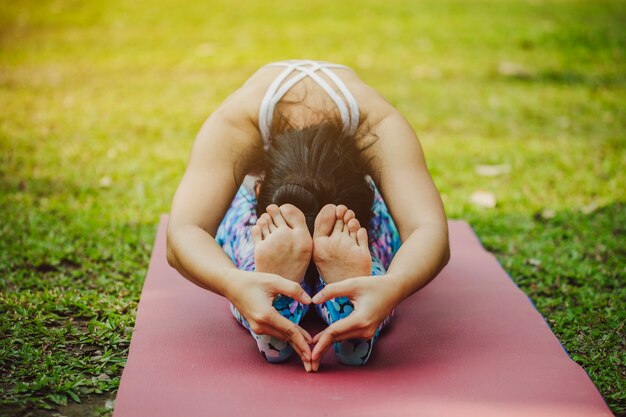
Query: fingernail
307, 367
317, 298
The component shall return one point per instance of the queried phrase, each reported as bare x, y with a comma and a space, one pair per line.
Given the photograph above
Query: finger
342, 288
358, 331
346, 328
359, 334
307, 335
291, 289
276, 216
355, 326
292, 334
361, 237
315, 364
270, 330
257, 235
321, 347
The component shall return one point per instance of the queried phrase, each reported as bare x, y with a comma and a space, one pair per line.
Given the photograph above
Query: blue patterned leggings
234, 237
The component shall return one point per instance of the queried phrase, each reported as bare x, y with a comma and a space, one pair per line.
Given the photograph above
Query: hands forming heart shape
283, 249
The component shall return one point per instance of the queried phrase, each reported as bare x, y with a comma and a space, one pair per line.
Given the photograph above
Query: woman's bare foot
282, 243
340, 246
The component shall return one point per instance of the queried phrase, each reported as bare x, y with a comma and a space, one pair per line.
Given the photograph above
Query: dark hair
315, 166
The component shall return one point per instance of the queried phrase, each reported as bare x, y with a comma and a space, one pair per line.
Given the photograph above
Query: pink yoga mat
469, 344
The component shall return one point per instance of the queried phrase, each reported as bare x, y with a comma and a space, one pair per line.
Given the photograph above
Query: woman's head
315, 166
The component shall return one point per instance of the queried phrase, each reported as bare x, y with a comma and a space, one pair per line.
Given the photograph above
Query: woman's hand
373, 298
252, 294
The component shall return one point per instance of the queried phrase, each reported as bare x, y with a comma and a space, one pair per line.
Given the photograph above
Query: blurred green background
100, 102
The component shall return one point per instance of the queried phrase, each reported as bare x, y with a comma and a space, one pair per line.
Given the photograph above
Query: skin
227, 148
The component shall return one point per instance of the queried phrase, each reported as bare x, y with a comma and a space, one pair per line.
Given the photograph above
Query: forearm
199, 258
420, 258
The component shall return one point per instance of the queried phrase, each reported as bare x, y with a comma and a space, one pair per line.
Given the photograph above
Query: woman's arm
203, 196
224, 151
414, 204
417, 209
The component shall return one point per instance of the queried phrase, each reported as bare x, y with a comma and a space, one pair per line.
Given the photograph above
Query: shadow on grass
566, 78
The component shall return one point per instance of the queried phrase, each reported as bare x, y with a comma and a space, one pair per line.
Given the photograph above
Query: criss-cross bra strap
281, 85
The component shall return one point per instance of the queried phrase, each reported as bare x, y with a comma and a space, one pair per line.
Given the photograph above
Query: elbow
443, 247
171, 258
446, 255
170, 252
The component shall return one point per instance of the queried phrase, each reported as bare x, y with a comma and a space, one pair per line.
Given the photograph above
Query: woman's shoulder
243, 104
244, 101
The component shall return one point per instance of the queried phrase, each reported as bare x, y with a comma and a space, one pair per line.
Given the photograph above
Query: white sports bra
303, 68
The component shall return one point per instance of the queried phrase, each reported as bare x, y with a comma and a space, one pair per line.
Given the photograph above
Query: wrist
229, 282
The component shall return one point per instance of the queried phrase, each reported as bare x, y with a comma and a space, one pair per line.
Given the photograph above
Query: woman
314, 145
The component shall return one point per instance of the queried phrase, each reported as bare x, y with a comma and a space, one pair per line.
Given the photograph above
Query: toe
348, 216
341, 211
325, 221
361, 237
276, 215
353, 227
257, 234
339, 226
293, 216
270, 224
264, 226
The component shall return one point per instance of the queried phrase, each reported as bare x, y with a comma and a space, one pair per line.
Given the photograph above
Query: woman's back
305, 93
301, 95
322, 75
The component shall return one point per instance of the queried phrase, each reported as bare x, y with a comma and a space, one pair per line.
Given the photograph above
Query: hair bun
315, 166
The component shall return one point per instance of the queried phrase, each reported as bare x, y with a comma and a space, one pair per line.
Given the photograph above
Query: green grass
100, 102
